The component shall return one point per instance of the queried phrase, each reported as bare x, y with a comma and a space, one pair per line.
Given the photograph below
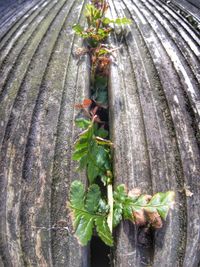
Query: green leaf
103, 231
102, 97
118, 21
102, 33
78, 154
85, 229
128, 209
82, 123
92, 12
80, 145
103, 206
101, 132
77, 193
101, 156
139, 203
85, 212
78, 214
122, 204
103, 52
107, 21
93, 198
117, 214
101, 83
78, 29
122, 21
82, 163
120, 193
92, 172
162, 203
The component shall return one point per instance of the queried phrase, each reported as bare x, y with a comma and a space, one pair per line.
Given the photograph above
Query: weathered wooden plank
160, 69
21, 25
14, 12
193, 7
37, 135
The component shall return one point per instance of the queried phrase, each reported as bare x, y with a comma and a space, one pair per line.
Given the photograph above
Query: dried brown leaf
139, 217
155, 219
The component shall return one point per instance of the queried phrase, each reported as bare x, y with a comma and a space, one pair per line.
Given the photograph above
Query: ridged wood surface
154, 120
154, 101
40, 82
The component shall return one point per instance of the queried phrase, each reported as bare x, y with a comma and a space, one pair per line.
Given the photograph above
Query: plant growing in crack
94, 207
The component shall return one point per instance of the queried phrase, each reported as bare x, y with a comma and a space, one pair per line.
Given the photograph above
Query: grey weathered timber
154, 97
191, 6
40, 82
154, 113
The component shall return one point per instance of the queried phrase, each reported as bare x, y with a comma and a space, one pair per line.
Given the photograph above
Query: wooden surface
154, 119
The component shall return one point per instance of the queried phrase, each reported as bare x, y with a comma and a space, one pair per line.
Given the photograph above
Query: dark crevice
100, 253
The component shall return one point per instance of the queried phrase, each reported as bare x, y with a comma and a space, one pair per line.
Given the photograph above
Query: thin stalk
110, 203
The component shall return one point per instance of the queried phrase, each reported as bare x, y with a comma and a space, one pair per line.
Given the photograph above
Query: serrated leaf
85, 229
77, 215
163, 211
103, 231
167, 197
82, 123
93, 198
77, 194
140, 203
162, 203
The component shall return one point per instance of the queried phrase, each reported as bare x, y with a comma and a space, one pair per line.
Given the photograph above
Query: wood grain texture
154, 101
40, 83
154, 120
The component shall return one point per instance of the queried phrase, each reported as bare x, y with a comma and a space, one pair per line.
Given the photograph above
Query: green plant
98, 26
92, 150
92, 208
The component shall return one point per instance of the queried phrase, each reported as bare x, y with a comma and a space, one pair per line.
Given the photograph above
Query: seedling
91, 207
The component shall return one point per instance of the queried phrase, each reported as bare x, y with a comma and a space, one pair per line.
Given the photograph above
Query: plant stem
110, 203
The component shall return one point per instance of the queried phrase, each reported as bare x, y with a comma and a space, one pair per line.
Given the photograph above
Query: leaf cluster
98, 28
89, 212
92, 150
141, 209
